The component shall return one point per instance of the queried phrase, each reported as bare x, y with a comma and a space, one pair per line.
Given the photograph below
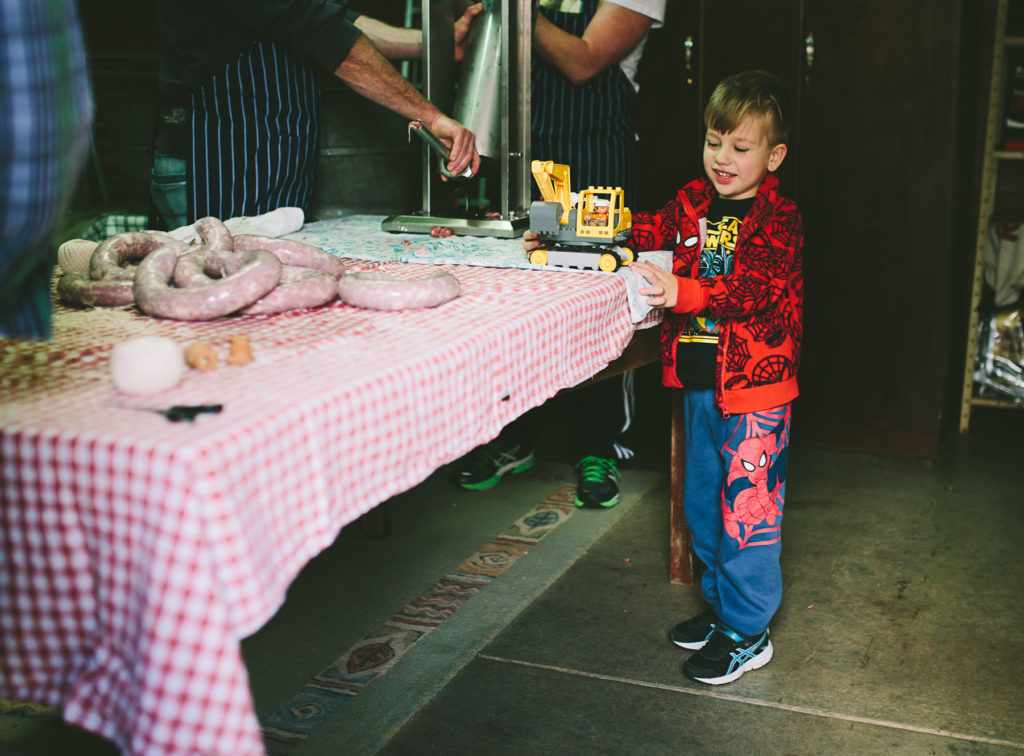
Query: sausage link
293, 253
300, 288
200, 266
213, 234
379, 291
249, 277
108, 259
79, 289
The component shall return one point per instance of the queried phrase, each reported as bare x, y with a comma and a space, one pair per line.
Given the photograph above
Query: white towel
283, 220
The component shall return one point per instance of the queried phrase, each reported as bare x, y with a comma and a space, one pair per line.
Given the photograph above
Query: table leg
376, 523
680, 560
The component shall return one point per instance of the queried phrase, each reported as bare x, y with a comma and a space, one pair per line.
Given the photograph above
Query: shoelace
596, 469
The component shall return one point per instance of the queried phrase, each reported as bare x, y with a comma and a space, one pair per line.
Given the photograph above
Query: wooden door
741, 36
882, 200
668, 108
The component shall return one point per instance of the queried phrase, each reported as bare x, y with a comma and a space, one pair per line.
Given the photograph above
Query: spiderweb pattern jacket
759, 304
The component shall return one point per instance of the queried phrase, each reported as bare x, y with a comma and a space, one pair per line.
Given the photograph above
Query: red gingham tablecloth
136, 553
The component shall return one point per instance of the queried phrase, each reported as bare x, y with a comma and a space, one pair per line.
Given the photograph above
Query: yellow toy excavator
586, 235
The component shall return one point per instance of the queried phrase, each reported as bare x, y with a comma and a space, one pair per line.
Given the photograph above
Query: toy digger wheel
539, 257
608, 262
630, 257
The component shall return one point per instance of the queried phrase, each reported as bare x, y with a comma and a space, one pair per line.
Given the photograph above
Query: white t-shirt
654, 10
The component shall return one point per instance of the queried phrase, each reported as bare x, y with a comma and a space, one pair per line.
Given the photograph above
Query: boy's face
737, 162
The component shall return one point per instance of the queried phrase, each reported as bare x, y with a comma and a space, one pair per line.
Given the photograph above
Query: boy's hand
663, 288
531, 240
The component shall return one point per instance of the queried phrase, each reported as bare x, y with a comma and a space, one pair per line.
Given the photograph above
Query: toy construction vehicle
586, 236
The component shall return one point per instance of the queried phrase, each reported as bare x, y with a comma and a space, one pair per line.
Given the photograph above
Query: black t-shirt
698, 342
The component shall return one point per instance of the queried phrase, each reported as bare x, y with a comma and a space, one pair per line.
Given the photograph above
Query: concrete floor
901, 627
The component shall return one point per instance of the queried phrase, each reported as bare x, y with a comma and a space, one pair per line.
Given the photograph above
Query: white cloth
1004, 262
283, 220
638, 307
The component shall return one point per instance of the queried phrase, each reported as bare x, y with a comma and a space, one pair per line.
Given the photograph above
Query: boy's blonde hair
750, 93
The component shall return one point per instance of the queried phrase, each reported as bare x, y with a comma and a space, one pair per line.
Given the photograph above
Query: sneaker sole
514, 468
600, 505
754, 663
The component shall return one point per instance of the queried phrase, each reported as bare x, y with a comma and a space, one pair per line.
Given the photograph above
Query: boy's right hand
663, 289
531, 240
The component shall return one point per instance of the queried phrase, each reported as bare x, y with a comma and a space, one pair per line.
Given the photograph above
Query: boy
731, 340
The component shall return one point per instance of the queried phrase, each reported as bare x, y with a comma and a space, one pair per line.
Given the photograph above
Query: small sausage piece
299, 288
440, 232
249, 277
379, 291
241, 352
79, 289
201, 355
108, 259
293, 253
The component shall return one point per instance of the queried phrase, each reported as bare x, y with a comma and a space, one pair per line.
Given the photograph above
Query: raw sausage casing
293, 253
379, 291
249, 277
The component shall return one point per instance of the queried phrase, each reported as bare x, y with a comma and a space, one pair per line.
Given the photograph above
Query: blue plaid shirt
45, 113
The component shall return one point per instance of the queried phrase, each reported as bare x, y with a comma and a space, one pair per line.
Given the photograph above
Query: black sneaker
728, 655
485, 466
695, 632
597, 483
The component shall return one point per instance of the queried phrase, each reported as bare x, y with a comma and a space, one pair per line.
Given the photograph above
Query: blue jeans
733, 496
167, 188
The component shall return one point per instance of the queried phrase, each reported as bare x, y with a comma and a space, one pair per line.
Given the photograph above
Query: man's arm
608, 38
399, 43
370, 74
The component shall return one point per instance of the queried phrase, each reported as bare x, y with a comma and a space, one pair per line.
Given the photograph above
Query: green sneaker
486, 465
597, 483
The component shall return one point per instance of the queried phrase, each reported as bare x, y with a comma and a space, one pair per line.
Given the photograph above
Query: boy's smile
736, 162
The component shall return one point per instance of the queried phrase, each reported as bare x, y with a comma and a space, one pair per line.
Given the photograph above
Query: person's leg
702, 498
167, 187
702, 488
748, 577
598, 414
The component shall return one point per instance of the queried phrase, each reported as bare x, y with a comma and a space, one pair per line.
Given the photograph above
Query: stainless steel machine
492, 99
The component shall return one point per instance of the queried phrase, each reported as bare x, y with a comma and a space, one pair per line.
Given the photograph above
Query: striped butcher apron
590, 128
254, 136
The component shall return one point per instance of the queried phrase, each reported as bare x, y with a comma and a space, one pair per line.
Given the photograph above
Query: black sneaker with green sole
597, 483
485, 466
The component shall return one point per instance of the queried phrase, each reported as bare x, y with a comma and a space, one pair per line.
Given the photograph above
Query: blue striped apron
590, 128
254, 136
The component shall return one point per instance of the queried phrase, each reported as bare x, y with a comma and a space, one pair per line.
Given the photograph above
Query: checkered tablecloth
136, 553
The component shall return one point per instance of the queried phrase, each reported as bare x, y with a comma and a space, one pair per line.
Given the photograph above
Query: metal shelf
990, 164
981, 401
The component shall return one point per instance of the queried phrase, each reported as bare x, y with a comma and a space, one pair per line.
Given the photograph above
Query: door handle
688, 46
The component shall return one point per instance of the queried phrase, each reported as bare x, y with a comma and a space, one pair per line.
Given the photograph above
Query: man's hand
462, 27
460, 140
663, 288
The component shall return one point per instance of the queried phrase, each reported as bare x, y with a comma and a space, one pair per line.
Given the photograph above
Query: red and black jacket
759, 304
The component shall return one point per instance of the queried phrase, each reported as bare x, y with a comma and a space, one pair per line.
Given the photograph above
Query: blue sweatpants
733, 496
